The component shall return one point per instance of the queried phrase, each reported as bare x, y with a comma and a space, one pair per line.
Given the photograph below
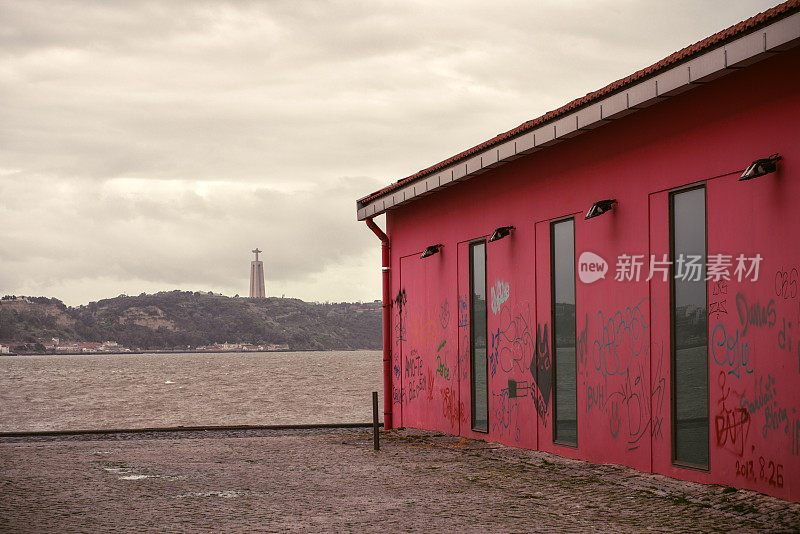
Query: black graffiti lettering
755, 314
786, 283
541, 371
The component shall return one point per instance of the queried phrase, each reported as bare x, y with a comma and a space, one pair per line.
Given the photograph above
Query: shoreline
177, 352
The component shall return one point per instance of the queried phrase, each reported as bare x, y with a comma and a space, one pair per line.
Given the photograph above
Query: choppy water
62, 392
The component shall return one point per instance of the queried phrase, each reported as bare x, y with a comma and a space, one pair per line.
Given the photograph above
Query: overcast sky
148, 146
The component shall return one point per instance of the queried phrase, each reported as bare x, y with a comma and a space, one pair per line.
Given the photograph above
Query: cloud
150, 145
179, 234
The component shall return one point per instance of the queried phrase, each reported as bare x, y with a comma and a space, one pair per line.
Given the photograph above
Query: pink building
663, 331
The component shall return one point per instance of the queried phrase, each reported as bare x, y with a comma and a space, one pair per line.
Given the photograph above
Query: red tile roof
737, 30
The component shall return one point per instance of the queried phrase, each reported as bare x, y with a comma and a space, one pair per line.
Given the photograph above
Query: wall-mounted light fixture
431, 250
760, 167
500, 233
600, 207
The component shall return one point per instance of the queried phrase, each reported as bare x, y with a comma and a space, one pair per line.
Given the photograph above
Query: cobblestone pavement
332, 480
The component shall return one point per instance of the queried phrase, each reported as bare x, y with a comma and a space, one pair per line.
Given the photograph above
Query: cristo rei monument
257, 277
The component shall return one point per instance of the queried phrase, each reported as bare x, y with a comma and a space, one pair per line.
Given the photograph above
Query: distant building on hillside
257, 277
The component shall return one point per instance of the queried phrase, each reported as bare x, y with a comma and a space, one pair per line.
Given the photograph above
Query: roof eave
747, 49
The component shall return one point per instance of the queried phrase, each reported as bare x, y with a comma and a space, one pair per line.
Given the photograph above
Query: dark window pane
565, 392
478, 333
690, 329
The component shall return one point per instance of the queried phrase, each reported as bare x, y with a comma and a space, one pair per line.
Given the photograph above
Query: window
565, 369
689, 314
479, 380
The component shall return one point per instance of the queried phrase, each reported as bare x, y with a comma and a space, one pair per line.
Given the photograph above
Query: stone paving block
332, 480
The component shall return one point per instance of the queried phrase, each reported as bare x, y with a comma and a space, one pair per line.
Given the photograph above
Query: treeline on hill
180, 319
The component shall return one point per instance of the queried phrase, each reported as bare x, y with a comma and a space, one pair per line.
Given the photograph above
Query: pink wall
706, 135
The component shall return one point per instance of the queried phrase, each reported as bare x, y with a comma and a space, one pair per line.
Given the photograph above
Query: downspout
387, 324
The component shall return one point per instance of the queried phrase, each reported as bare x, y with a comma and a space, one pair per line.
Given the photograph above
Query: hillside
179, 319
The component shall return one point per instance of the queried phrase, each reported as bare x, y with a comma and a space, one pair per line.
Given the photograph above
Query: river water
102, 391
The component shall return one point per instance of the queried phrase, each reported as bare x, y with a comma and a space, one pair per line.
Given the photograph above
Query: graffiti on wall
444, 314
786, 281
621, 338
424, 340
731, 351
617, 381
500, 292
398, 328
658, 390
754, 416
441, 362
423, 331
763, 400
629, 406
718, 304
621, 379
506, 415
754, 314
463, 311
397, 374
463, 336
517, 352
542, 372
731, 422
785, 340
452, 408
400, 316
426, 367
764, 470
512, 345
414, 378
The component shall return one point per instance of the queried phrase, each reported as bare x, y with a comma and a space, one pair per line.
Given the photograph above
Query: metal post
375, 436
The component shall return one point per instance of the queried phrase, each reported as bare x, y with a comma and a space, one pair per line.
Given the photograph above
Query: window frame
472, 244
671, 194
553, 345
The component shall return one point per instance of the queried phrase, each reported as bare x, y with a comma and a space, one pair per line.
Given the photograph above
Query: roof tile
718, 39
